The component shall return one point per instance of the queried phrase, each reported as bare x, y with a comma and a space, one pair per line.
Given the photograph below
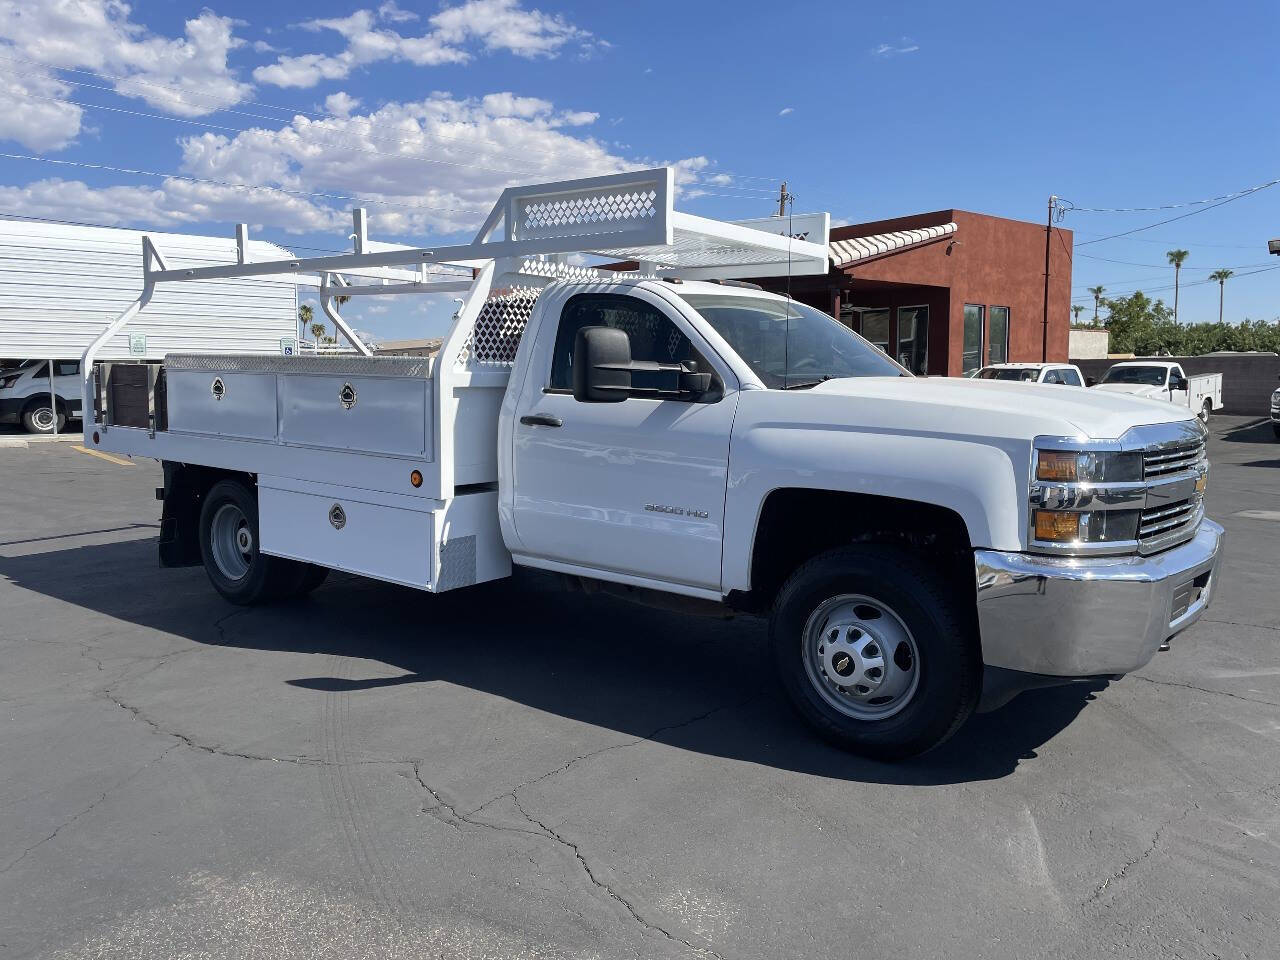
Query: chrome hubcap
231, 541
860, 657
43, 418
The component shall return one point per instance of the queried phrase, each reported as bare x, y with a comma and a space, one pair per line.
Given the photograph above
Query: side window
653, 337
1070, 377
1053, 376
66, 368
1176, 371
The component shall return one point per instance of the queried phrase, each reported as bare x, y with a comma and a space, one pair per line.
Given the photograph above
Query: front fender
982, 479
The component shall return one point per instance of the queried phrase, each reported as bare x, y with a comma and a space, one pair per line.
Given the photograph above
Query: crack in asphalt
615, 746
1134, 861
70, 820
1192, 686
455, 817
1240, 623
613, 894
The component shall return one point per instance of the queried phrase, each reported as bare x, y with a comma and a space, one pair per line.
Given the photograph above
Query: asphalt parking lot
512, 771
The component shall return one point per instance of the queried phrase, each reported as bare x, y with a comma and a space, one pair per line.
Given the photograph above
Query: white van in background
24, 395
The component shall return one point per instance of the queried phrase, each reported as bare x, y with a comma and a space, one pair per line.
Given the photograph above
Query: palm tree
1097, 292
320, 332
1222, 275
1176, 257
305, 315
1076, 308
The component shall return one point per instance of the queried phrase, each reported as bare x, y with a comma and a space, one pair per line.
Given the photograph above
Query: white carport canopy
846, 253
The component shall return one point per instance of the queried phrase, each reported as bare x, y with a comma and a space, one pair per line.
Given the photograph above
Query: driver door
635, 487
1178, 396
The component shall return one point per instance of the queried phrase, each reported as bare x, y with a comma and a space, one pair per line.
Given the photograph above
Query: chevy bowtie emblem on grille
337, 516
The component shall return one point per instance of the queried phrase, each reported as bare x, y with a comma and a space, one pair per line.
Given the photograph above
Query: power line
1072, 208
1156, 266
1182, 216
1170, 286
238, 186
182, 93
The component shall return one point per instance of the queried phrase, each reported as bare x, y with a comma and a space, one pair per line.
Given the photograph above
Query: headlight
8, 382
1075, 466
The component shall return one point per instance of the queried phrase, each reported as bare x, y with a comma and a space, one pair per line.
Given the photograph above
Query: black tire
262, 578
1206, 411
38, 418
939, 621
1275, 428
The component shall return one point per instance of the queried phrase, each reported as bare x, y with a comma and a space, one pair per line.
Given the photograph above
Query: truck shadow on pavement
701, 685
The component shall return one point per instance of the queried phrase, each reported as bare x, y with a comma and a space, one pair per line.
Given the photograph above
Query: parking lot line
104, 456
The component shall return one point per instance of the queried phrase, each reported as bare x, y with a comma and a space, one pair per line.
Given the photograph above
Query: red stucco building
948, 291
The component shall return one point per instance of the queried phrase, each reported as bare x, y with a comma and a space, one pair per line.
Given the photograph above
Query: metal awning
846, 253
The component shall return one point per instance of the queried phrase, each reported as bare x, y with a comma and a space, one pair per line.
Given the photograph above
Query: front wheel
40, 417
876, 650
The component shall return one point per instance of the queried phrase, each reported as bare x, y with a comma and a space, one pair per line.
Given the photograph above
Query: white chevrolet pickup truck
919, 546
1164, 380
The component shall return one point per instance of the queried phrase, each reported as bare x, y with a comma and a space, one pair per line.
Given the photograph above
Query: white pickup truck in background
682, 441
1164, 380
1054, 374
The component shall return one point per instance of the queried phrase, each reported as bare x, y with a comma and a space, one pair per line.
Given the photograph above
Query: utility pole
783, 197
1048, 235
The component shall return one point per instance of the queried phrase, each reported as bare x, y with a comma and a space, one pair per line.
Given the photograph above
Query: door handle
541, 420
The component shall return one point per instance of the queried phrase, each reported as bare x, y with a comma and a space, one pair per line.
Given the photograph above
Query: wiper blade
805, 384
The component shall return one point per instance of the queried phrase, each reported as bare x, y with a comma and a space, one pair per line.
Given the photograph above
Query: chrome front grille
1173, 459
1157, 520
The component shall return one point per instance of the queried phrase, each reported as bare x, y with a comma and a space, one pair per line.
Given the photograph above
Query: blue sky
868, 110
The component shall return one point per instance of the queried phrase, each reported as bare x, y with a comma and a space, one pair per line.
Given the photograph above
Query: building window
999, 347
971, 351
913, 339
875, 327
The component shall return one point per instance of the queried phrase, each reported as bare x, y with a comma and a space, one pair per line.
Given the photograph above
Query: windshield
790, 345
1017, 373
1148, 376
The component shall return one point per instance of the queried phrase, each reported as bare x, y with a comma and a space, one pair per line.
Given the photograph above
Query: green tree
1097, 292
1222, 275
306, 314
1076, 309
1140, 325
1177, 258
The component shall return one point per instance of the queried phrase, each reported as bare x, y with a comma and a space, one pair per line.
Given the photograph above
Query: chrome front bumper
1074, 617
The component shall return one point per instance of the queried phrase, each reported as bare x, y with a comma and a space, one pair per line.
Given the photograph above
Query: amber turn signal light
416, 478
1057, 526
1057, 465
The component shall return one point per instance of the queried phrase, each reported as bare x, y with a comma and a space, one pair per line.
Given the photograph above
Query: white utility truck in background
1054, 374
1164, 380
686, 441
60, 283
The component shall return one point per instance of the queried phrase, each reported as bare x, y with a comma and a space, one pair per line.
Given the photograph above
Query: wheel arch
795, 524
183, 493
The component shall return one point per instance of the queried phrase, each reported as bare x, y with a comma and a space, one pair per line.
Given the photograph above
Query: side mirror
1177, 383
601, 365
1090, 381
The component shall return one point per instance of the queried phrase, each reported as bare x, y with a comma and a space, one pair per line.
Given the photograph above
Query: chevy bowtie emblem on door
347, 395
217, 388
337, 516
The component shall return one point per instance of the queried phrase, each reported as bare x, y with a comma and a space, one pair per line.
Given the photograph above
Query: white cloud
36, 123
390, 12
491, 25
425, 168
99, 35
341, 104
785, 110
903, 45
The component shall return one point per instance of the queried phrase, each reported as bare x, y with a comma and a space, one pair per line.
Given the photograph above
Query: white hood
1135, 390
1032, 409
